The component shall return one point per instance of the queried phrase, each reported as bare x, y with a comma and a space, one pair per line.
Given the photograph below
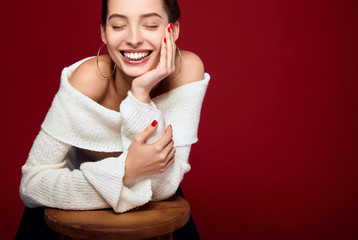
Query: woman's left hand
142, 85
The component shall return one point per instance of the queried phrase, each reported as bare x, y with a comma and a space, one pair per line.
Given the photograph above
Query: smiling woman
120, 128
126, 33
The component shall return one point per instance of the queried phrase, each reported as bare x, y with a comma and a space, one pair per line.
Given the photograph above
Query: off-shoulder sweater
57, 175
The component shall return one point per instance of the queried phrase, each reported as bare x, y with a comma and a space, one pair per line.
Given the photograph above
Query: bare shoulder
192, 69
87, 80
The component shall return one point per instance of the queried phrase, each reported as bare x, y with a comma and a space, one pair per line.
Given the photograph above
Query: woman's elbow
27, 197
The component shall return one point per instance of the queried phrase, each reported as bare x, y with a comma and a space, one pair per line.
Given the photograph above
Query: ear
176, 29
103, 33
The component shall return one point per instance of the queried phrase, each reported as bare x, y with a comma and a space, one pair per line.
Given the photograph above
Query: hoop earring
99, 71
180, 63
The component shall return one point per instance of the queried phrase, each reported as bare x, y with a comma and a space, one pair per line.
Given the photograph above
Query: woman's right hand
144, 159
142, 85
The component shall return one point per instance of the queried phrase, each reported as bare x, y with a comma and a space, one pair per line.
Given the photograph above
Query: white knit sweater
57, 175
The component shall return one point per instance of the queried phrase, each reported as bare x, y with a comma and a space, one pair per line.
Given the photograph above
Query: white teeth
136, 56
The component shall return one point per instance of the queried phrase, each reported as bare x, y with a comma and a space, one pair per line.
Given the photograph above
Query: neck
122, 83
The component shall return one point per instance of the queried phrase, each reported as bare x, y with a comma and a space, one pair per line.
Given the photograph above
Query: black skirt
33, 226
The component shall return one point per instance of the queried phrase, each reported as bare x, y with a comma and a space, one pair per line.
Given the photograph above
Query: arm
184, 113
182, 110
46, 180
163, 184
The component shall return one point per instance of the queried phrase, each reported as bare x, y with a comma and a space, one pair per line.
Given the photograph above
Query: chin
136, 72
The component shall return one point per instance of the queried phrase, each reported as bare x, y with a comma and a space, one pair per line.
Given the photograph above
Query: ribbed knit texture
76, 120
135, 121
79, 121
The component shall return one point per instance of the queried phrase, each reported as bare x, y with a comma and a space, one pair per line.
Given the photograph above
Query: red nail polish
171, 25
169, 29
165, 40
154, 123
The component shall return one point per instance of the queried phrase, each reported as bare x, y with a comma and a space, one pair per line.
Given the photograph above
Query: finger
165, 139
163, 54
174, 47
169, 34
168, 148
171, 154
170, 162
147, 132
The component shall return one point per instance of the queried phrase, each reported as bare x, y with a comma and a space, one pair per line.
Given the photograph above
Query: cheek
114, 39
156, 40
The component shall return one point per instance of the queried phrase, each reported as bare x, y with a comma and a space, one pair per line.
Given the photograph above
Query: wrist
128, 177
141, 94
126, 180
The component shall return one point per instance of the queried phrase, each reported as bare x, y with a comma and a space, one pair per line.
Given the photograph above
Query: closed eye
152, 27
117, 27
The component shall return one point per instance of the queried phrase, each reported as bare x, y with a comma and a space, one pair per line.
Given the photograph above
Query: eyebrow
153, 14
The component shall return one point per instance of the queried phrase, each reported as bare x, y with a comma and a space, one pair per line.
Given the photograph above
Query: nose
135, 38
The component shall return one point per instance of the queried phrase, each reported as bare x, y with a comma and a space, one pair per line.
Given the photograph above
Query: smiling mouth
136, 56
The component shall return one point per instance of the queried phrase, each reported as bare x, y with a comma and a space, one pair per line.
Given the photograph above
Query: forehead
133, 8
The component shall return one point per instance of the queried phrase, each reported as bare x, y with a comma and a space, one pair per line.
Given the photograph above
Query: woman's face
134, 33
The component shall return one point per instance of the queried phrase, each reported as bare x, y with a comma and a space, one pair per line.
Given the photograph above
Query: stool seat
155, 219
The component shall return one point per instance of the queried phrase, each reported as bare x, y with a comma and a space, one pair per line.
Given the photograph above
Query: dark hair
171, 7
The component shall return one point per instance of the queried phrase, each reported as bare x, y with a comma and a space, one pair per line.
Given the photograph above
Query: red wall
277, 156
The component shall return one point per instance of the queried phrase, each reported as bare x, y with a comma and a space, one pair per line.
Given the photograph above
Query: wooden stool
155, 220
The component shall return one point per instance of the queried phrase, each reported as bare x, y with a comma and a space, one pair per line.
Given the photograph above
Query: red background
277, 156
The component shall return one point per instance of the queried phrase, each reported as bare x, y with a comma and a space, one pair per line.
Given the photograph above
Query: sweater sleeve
136, 116
165, 184
181, 108
46, 181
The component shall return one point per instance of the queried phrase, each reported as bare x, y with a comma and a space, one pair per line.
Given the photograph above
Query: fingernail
169, 29
171, 25
165, 40
154, 123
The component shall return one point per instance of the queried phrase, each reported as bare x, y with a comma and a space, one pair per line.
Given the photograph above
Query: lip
135, 51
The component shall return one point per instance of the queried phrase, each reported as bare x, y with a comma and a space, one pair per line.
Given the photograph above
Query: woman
119, 131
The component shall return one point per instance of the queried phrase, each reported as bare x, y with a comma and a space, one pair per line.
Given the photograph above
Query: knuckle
162, 169
162, 157
162, 165
157, 148
136, 139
